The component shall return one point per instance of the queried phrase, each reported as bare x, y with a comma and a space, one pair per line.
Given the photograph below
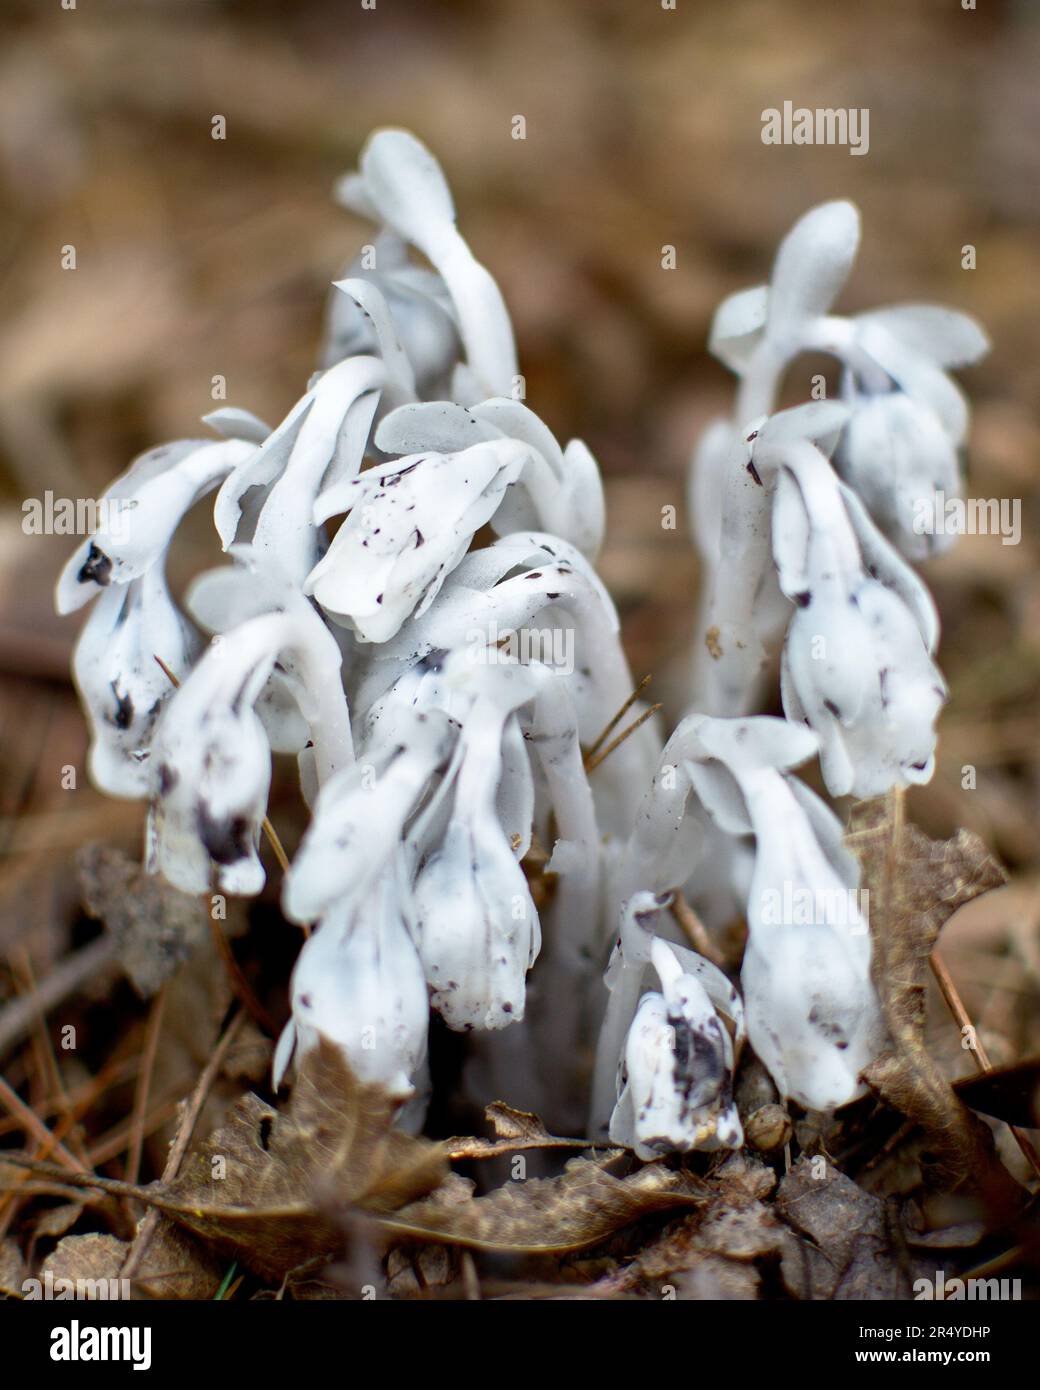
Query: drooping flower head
675, 1079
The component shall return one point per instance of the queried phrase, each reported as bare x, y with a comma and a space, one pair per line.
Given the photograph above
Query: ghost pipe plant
808, 958
443, 735
897, 446
430, 753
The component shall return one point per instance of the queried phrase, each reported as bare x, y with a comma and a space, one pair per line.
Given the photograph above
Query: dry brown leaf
58, 1221
12, 1268
156, 927
1011, 1093
274, 1185
732, 1227
514, 1130
915, 886
89, 1260
278, 1188
177, 1266
581, 1206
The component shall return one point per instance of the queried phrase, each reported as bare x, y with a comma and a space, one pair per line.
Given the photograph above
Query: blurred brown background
198, 257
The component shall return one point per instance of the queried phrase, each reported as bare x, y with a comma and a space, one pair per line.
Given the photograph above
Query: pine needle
594, 762
591, 752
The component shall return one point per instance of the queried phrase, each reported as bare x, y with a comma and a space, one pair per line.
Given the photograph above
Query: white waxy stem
401, 184
743, 613
323, 438
360, 816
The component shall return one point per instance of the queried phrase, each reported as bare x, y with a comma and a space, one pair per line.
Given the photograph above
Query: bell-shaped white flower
211, 766
121, 684
813, 1018
813, 1015
401, 185
476, 922
358, 983
675, 1084
638, 948
902, 464
856, 662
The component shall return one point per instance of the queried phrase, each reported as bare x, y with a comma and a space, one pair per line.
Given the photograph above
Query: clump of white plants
446, 668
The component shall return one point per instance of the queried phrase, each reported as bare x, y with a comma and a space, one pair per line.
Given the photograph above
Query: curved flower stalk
211, 756
673, 1083
401, 185
396, 332
325, 433
359, 984
746, 612
419, 308
907, 420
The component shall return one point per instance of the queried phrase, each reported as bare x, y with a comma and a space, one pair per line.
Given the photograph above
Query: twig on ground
179, 1147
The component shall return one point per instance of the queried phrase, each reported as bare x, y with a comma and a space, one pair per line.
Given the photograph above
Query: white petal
737, 326
945, 336
812, 264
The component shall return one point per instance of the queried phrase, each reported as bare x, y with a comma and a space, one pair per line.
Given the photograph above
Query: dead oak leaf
91, 1263
733, 1226
274, 1185
915, 885
583, 1205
